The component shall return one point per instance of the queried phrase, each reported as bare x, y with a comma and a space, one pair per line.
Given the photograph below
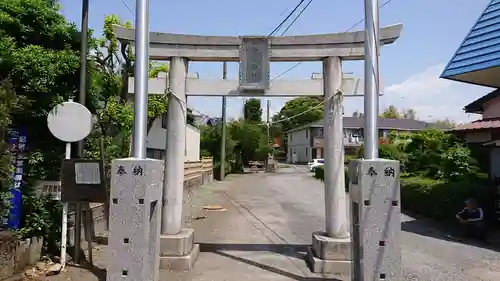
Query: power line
297, 17
128, 7
286, 19
352, 27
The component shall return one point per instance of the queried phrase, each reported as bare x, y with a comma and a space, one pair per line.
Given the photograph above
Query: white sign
70, 121
87, 173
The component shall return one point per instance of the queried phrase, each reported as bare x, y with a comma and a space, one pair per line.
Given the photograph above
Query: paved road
291, 204
266, 227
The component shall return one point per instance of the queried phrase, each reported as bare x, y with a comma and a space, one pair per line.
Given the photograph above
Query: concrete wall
492, 109
157, 138
192, 143
16, 255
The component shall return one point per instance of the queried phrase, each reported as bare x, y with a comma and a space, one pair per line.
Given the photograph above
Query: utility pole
267, 121
223, 134
81, 99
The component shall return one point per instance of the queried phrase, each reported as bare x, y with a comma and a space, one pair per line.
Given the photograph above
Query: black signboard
82, 180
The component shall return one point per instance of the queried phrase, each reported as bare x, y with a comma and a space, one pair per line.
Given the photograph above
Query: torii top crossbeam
346, 45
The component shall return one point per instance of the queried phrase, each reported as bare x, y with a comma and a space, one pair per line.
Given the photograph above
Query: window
155, 154
320, 134
291, 136
306, 149
307, 135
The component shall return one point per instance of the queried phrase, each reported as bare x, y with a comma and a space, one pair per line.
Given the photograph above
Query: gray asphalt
291, 204
266, 226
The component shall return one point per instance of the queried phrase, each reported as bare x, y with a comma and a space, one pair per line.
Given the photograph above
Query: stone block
327, 248
317, 265
178, 244
134, 227
180, 263
376, 219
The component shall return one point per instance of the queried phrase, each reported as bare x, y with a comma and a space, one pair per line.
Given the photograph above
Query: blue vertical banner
17, 141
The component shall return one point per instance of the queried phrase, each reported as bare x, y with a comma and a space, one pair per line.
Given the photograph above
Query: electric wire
296, 65
350, 28
128, 7
297, 17
286, 18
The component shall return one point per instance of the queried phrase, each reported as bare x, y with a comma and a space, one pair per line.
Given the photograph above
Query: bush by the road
319, 173
436, 199
440, 199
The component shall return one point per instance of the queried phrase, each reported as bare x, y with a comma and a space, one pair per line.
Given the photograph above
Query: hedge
441, 200
319, 173
436, 199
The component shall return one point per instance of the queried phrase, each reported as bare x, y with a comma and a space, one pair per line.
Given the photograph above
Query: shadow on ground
424, 227
291, 250
98, 272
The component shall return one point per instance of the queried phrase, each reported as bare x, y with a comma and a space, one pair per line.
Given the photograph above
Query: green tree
391, 112
251, 140
301, 111
252, 111
409, 114
39, 56
446, 123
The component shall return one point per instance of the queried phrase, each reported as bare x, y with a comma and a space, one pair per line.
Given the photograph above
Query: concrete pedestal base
178, 251
329, 255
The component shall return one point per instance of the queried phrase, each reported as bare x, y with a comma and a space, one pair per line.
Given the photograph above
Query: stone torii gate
330, 252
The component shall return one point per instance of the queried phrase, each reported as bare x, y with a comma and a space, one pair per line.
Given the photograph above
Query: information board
17, 142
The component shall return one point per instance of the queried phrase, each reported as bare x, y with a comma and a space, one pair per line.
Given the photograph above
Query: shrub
319, 173
388, 151
440, 199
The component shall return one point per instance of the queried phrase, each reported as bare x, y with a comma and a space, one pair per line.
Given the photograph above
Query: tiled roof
477, 105
383, 123
480, 49
479, 124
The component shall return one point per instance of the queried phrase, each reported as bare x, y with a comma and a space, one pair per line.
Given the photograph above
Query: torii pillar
330, 252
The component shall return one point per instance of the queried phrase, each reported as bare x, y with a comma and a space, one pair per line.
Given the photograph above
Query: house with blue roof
477, 61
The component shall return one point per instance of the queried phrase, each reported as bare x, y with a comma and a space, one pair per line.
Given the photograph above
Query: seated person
471, 219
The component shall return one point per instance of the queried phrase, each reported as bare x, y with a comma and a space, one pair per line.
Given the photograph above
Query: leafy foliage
8, 104
440, 199
252, 111
309, 108
39, 58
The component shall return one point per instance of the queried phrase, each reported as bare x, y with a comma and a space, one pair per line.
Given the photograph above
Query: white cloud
430, 96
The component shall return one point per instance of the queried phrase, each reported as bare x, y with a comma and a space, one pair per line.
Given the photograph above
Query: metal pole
81, 99
372, 43
64, 228
141, 79
223, 134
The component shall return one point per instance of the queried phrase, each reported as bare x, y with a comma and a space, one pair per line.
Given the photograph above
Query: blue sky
410, 68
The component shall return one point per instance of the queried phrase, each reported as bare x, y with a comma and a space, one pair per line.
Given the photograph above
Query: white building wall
157, 139
192, 143
299, 143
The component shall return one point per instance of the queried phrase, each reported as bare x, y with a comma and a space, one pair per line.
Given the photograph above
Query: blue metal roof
481, 47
